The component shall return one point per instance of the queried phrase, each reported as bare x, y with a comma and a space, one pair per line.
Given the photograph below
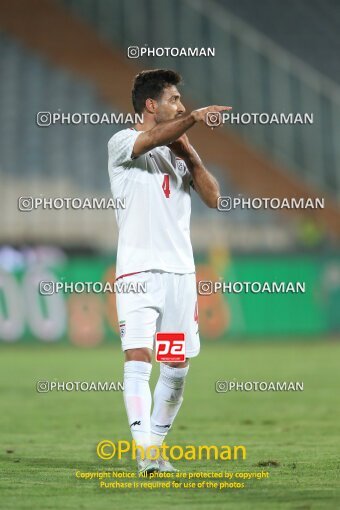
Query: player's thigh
180, 312
138, 311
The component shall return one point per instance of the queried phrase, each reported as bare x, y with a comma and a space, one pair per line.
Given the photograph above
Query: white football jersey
154, 227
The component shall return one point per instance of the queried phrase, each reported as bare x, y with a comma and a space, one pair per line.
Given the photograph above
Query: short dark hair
150, 84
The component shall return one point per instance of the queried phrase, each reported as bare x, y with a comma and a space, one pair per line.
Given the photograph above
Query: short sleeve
121, 145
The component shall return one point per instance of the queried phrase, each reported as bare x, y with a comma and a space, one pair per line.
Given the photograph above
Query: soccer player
153, 167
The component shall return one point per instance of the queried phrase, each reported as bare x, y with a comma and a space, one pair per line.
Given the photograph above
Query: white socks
137, 399
168, 397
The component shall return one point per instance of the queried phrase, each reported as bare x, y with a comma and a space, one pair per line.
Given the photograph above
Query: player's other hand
210, 115
181, 147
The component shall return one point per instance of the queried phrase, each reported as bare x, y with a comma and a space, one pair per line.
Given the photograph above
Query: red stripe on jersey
128, 274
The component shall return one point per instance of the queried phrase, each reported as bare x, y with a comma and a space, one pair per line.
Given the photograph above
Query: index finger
223, 108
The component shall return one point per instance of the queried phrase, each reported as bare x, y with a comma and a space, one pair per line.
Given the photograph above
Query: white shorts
169, 305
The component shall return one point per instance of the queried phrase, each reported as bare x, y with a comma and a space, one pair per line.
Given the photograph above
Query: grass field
46, 438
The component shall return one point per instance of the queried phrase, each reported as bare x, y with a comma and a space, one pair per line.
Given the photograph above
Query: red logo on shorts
170, 347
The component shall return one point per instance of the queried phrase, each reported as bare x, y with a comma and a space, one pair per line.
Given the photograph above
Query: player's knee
178, 364
141, 354
174, 377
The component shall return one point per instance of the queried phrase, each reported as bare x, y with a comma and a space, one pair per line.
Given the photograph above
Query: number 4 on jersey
166, 185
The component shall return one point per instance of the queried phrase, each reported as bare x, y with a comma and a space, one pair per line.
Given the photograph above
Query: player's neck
145, 126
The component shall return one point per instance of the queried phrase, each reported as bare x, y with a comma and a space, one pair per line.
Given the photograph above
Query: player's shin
137, 399
168, 397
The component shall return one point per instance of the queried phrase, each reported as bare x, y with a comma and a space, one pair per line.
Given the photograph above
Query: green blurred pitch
52, 435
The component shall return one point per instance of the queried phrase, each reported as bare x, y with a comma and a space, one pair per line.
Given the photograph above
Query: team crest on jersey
180, 165
122, 328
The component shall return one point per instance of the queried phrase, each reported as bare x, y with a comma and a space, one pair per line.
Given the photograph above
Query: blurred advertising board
230, 308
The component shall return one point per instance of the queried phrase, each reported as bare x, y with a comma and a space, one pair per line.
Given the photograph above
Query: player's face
169, 105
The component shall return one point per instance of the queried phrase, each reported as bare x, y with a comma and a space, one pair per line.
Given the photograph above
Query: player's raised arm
204, 182
166, 132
